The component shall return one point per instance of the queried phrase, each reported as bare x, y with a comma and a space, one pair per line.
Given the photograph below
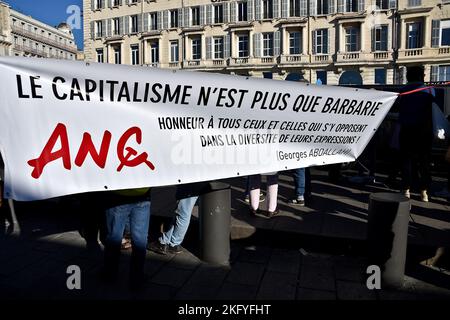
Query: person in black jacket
416, 132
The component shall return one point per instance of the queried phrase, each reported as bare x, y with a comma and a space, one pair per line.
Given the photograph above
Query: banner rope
422, 89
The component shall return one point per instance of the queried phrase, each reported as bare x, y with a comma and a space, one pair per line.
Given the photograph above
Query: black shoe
271, 214
297, 202
254, 212
158, 247
175, 250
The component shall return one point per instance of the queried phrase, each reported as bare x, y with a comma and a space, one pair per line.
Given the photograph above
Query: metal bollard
387, 235
215, 223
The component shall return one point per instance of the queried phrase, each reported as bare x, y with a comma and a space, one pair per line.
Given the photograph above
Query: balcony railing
424, 53
238, 61
294, 59
363, 57
350, 56
321, 59
381, 55
174, 64
413, 52
153, 65
35, 36
267, 60
444, 51
191, 63
30, 50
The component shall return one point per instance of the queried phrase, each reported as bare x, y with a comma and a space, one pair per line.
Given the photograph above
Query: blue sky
51, 12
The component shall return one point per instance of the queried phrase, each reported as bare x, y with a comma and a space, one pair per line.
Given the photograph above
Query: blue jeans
180, 224
138, 216
300, 181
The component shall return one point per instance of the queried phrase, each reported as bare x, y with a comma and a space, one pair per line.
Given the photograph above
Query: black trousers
415, 152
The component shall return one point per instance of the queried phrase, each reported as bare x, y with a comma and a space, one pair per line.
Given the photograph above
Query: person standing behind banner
131, 205
271, 198
170, 241
302, 181
7, 216
3, 216
416, 132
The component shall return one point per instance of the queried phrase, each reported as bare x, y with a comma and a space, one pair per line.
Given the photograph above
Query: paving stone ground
34, 259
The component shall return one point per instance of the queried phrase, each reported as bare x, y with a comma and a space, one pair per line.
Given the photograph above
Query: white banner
71, 127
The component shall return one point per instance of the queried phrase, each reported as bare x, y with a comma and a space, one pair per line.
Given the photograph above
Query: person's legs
272, 192
423, 167
308, 183
406, 159
116, 218
175, 235
299, 178
255, 189
299, 182
139, 223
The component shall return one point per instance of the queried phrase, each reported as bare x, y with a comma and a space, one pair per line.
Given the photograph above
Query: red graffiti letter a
48, 156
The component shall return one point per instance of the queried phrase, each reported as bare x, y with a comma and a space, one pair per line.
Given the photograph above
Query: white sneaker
406, 193
424, 196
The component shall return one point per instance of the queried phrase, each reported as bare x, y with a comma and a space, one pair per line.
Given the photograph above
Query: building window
322, 6
195, 16
351, 39
382, 4
321, 41
174, 18
414, 35
267, 9
116, 26
98, 29
267, 44
443, 73
117, 55
153, 21
242, 11
100, 58
218, 13
445, 33
196, 48
98, 4
218, 48
380, 38
294, 8
295, 42
322, 76
380, 76
134, 54
134, 24
348, 6
134, 1
116, 3
174, 51
243, 46
414, 3
154, 49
